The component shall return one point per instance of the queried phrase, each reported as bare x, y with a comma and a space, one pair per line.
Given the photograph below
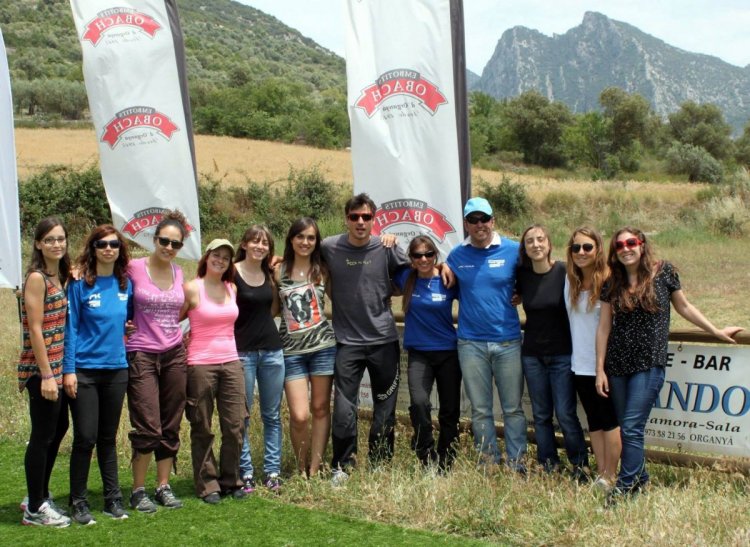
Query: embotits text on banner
10, 232
407, 106
133, 65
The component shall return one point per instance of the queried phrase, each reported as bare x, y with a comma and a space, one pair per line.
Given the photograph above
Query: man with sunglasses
489, 333
360, 270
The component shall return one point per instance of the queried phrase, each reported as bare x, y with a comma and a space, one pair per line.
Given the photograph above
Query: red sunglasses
629, 243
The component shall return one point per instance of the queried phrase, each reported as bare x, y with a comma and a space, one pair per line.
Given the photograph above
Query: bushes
695, 162
509, 199
76, 196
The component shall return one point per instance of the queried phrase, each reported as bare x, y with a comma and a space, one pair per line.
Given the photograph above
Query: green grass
258, 520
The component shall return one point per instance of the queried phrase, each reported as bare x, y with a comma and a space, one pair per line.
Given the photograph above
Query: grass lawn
258, 520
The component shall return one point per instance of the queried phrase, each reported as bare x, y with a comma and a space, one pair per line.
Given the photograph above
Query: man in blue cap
489, 333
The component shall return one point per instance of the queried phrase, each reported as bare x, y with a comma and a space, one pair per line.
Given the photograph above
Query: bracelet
47, 376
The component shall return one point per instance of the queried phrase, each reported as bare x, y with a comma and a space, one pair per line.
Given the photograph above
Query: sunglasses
166, 242
576, 247
103, 244
417, 256
354, 217
484, 219
629, 243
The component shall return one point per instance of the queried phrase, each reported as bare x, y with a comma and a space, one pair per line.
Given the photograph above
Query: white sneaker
603, 485
338, 478
45, 516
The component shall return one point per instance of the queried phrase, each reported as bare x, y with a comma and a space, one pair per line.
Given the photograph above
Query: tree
695, 162
629, 115
536, 126
702, 125
742, 146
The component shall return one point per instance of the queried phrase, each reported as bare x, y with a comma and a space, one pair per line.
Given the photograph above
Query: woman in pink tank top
215, 375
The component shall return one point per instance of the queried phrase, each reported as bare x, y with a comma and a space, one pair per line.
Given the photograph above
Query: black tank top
255, 328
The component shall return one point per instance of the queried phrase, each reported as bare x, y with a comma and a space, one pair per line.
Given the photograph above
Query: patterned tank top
304, 327
53, 331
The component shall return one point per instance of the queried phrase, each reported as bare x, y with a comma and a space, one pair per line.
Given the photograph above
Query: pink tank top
212, 329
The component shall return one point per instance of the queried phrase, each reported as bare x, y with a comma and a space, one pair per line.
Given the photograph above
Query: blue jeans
551, 385
480, 363
633, 397
268, 368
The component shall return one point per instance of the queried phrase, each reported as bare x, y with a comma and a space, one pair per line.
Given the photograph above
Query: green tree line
694, 141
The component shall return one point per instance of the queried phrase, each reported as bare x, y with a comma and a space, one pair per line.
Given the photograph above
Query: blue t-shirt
429, 319
486, 281
95, 330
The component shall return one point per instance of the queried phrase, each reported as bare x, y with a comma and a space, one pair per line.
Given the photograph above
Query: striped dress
53, 331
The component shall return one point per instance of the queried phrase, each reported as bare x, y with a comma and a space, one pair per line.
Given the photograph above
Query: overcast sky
714, 27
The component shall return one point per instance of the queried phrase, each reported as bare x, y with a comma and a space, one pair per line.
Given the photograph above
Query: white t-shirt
583, 325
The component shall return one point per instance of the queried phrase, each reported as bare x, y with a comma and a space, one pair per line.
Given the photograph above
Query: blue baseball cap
477, 205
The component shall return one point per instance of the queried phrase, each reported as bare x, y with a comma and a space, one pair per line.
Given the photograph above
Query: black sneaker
212, 499
237, 494
140, 501
80, 513
273, 483
115, 509
165, 497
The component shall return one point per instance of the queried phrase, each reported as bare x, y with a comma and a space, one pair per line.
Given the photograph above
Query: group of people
107, 325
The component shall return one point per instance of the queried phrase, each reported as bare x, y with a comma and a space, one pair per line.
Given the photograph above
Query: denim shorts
316, 363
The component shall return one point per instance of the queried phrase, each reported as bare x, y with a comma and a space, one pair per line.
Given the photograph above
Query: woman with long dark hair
44, 307
157, 363
587, 272
546, 351
260, 350
309, 343
631, 343
214, 375
430, 338
95, 367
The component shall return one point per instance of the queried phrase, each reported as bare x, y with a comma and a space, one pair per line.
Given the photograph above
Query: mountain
576, 66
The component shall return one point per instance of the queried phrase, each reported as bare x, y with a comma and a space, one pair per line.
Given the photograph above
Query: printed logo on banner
118, 22
146, 219
405, 84
142, 123
411, 212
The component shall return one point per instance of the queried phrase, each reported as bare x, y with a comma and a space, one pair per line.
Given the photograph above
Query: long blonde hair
575, 274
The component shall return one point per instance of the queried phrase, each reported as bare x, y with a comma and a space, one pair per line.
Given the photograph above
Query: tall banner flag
405, 66
134, 69
10, 225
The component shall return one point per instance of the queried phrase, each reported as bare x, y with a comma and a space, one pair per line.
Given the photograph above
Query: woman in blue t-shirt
430, 338
95, 369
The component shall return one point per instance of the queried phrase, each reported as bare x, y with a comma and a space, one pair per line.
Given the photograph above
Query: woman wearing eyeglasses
309, 344
214, 375
44, 307
546, 351
260, 350
157, 363
587, 272
631, 343
430, 338
95, 368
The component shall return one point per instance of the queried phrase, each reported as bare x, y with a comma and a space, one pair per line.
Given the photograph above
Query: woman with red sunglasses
631, 343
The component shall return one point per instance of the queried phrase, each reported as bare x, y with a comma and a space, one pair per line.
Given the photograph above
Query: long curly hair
575, 274
86, 262
643, 295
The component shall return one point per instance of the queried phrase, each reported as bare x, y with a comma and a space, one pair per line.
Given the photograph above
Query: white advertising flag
10, 232
133, 66
407, 106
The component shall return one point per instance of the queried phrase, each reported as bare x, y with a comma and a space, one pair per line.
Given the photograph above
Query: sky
714, 27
